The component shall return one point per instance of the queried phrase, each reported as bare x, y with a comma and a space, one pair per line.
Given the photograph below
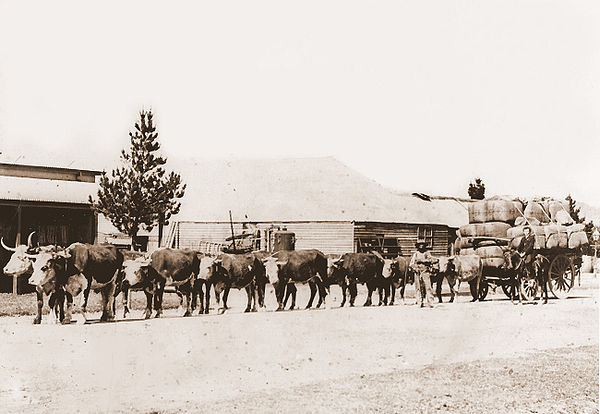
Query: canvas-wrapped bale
574, 228
535, 210
494, 210
555, 206
468, 267
522, 221
472, 242
491, 229
557, 240
552, 228
467, 252
564, 218
491, 256
577, 239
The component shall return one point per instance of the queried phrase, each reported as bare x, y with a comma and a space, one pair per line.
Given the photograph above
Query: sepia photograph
299, 207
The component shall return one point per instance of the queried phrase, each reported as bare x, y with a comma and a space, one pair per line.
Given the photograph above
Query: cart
563, 267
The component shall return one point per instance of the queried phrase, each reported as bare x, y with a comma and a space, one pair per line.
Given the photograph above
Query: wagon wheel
506, 289
561, 276
483, 289
529, 287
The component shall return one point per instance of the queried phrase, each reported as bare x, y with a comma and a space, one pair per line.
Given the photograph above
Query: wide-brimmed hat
420, 243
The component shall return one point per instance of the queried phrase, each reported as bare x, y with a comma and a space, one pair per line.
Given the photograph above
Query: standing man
526, 247
421, 263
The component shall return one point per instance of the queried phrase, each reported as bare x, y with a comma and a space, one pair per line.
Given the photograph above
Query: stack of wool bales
491, 218
551, 224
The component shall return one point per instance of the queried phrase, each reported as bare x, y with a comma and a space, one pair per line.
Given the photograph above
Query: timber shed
329, 207
51, 201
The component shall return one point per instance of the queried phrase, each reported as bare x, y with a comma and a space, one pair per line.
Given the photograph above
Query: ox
173, 268
461, 268
401, 275
239, 271
80, 267
297, 266
353, 268
21, 263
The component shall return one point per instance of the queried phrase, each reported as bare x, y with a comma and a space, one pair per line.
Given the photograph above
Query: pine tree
574, 210
140, 193
477, 189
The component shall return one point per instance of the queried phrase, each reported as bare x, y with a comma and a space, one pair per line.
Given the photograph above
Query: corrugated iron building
327, 205
51, 201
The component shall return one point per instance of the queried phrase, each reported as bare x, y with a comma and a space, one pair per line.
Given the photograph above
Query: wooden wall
405, 236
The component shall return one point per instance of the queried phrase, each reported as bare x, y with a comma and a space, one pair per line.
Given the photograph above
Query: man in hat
526, 246
421, 263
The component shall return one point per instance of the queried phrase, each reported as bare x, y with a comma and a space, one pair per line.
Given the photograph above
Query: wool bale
555, 207
557, 240
550, 229
468, 252
489, 251
494, 210
564, 218
469, 242
491, 229
577, 239
575, 228
536, 211
514, 243
468, 267
492, 261
530, 221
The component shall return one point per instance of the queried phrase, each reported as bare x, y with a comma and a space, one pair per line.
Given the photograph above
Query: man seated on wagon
422, 263
525, 249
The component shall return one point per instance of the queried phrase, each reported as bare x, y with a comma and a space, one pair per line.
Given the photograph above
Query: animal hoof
254, 310
37, 321
66, 321
187, 313
157, 315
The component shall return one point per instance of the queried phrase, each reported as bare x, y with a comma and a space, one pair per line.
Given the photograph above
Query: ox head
21, 261
135, 271
207, 267
335, 270
49, 265
389, 266
272, 268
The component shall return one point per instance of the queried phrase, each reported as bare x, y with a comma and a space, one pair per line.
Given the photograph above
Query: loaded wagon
496, 229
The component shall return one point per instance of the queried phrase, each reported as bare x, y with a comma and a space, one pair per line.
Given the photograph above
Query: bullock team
64, 273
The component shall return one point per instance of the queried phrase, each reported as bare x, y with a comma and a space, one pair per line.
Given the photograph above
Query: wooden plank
48, 173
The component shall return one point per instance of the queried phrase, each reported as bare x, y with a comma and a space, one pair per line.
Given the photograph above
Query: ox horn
29, 255
30, 239
10, 249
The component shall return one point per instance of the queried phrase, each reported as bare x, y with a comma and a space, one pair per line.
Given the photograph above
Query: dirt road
175, 364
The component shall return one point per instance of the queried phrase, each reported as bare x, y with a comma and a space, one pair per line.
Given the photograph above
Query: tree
477, 189
578, 218
140, 193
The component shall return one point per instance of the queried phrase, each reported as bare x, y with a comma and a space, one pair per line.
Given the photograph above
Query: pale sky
418, 95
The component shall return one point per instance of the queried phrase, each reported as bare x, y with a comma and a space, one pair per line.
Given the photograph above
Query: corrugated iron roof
301, 189
55, 191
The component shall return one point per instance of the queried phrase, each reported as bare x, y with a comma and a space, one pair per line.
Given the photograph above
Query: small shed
50, 201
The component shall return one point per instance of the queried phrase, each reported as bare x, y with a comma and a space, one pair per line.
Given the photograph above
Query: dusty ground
462, 357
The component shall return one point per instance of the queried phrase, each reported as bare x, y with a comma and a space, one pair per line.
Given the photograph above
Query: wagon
563, 266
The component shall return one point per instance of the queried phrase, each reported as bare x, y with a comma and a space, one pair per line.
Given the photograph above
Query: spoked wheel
529, 287
561, 275
483, 289
507, 287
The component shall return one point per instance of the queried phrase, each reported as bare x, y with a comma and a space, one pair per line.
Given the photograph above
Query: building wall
405, 236
328, 237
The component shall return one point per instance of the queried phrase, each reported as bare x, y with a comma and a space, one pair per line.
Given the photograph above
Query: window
386, 246
425, 234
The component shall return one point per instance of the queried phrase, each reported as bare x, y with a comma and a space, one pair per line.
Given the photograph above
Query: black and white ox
21, 263
165, 269
239, 271
297, 266
80, 268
